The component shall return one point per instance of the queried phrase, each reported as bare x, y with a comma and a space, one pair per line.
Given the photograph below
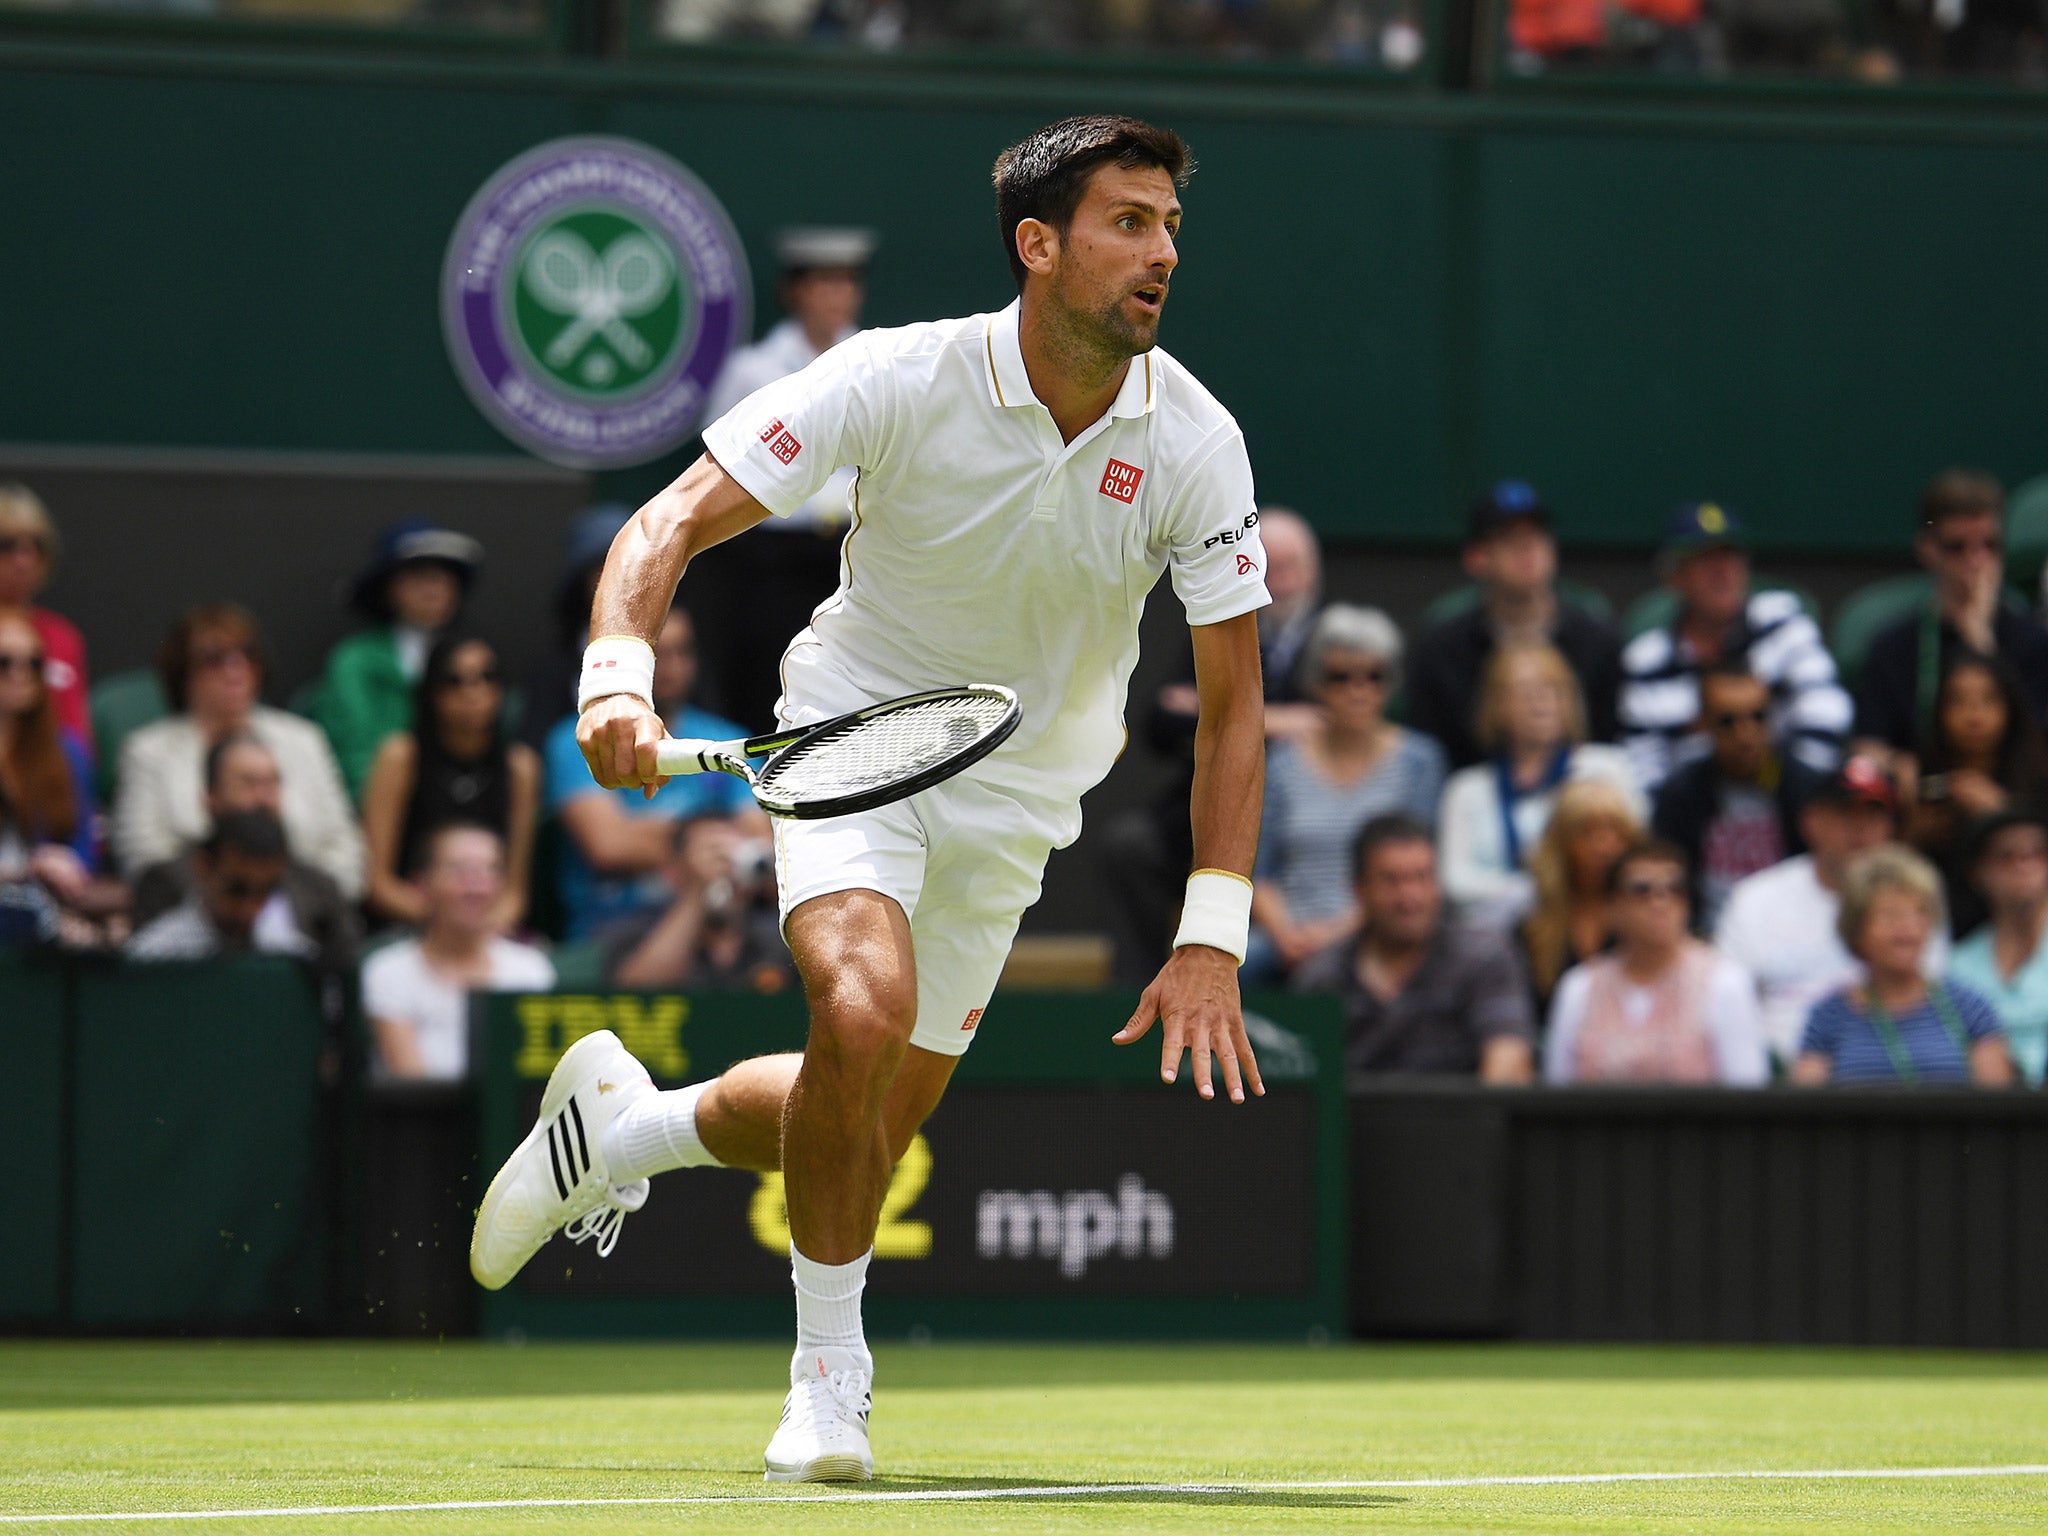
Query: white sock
828, 1304
657, 1134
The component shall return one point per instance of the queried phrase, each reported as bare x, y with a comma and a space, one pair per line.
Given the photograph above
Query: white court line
1049, 1491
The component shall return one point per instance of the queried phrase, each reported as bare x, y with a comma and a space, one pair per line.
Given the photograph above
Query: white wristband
1217, 912
616, 664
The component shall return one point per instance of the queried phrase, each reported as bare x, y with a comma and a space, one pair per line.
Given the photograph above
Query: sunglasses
19, 543
1643, 890
220, 655
1956, 548
20, 661
1728, 719
483, 676
248, 890
1338, 677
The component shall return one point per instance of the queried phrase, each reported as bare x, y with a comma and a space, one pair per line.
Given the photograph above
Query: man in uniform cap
773, 583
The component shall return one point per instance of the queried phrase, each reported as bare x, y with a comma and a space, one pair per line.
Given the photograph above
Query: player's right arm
702, 507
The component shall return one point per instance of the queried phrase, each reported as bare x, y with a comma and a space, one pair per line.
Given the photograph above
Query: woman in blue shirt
2007, 958
1894, 1026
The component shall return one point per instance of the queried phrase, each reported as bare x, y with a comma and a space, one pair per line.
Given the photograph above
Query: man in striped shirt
1706, 563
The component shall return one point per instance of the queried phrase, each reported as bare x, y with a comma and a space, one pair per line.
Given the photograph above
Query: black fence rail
1829, 1217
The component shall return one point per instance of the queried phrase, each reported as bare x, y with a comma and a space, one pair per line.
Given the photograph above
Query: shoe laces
604, 1220
839, 1394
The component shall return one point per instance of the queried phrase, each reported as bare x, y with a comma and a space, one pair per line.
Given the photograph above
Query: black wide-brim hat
413, 543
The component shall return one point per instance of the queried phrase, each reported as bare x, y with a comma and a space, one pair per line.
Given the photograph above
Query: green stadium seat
1463, 599
2026, 538
122, 703
1659, 606
579, 967
1869, 609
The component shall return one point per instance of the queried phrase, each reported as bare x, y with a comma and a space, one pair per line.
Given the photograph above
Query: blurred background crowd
1708, 838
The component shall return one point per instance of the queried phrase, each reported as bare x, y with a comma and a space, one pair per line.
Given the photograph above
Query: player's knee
863, 1026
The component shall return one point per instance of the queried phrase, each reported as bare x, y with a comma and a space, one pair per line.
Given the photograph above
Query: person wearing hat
1782, 923
771, 585
411, 590
2007, 958
1705, 561
1511, 552
1961, 543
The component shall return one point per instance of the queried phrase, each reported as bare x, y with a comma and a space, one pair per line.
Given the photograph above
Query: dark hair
217, 754
252, 834
174, 656
1384, 831
2022, 755
430, 841
434, 674
1649, 850
1044, 176
1960, 493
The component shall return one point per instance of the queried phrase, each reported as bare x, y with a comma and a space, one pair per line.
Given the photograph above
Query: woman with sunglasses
1660, 1006
28, 559
1353, 765
1532, 725
48, 890
454, 765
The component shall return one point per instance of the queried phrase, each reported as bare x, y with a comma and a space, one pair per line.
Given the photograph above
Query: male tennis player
1023, 478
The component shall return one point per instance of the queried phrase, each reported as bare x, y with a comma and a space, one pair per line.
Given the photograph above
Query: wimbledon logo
591, 291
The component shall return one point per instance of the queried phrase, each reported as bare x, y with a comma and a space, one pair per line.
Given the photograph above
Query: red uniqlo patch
1120, 480
785, 447
771, 429
973, 1018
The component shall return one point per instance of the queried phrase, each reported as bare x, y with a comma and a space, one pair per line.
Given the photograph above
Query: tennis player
1023, 478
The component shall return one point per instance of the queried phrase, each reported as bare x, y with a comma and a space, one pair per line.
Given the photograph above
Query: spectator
1511, 552
1660, 1007
211, 665
773, 580
415, 991
1422, 994
551, 685
411, 591
1532, 724
1781, 924
2006, 960
1895, 1024
1148, 851
720, 930
1986, 752
1591, 825
454, 764
48, 891
1355, 765
237, 872
1962, 545
28, 559
242, 778
1705, 562
619, 842
1736, 811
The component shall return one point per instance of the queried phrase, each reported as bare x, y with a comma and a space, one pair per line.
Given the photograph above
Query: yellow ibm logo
650, 1027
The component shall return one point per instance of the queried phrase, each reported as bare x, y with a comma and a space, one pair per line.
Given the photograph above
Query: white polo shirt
984, 549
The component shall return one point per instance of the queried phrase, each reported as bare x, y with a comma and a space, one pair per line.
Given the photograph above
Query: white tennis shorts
964, 860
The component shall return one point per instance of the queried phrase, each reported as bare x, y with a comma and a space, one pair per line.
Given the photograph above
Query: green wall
1802, 307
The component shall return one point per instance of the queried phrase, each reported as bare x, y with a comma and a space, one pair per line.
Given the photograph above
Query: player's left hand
1195, 1000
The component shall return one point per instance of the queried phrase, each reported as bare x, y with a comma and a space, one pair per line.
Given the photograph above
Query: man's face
1736, 712
1519, 559
826, 301
249, 781
235, 888
1110, 268
24, 567
1837, 834
2013, 869
1713, 585
675, 660
1399, 894
464, 877
1964, 551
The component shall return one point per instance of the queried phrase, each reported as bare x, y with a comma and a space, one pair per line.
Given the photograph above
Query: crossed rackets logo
601, 293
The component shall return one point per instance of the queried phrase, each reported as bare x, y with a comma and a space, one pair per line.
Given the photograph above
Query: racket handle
685, 754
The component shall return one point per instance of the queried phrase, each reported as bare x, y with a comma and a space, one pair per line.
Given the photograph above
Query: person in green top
412, 590
2007, 958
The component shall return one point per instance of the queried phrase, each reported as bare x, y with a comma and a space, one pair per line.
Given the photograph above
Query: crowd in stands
1517, 844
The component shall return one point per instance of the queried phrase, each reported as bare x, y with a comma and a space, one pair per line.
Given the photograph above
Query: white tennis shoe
557, 1181
823, 1437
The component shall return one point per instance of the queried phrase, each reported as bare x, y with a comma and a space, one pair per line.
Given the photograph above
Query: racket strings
884, 748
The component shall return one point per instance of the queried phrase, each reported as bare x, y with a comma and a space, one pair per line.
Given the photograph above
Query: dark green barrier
172, 1120
32, 1092
1058, 1189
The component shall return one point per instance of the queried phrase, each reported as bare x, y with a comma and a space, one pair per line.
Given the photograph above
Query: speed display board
1058, 1187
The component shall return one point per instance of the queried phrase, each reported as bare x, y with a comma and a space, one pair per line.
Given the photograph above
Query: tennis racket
857, 761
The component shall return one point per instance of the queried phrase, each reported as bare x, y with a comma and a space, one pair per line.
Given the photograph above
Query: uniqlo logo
769, 431
973, 1018
785, 447
1120, 481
